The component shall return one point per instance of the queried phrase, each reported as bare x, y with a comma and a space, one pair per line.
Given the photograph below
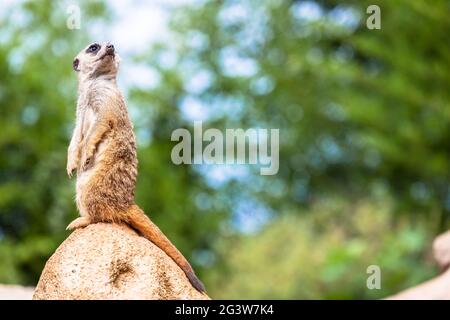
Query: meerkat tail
138, 220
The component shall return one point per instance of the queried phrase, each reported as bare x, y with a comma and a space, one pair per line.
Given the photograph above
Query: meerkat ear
75, 64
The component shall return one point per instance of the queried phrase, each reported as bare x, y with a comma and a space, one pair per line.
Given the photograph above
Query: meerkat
103, 153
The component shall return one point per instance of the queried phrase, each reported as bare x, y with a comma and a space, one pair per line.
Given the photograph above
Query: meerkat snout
97, 59
110, 48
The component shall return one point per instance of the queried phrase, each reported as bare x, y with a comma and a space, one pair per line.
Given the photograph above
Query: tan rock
110, 261
441, 250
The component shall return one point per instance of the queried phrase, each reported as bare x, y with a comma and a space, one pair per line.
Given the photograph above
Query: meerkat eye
75, 64
93, 48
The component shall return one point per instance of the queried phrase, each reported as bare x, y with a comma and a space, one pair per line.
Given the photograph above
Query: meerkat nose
109, 47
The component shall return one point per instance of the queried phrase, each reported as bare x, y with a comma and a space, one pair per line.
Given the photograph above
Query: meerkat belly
99, 163
88, 179
89, 118
112, 174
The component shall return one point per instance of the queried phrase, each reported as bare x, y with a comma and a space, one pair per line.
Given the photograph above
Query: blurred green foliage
364, 141
324, 254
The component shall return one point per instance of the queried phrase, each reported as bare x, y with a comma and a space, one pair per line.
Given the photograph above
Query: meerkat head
97, 59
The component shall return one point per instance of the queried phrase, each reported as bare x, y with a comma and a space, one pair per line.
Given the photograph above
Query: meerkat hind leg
79, 222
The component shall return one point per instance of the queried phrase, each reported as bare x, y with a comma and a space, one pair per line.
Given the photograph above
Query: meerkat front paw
71, 166
73, 160
85, 162
80, 222
87, 157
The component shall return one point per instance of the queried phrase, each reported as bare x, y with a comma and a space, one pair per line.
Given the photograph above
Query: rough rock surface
110, 261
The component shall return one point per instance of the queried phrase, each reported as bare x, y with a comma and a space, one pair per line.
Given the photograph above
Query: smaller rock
12, 292
441, 250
